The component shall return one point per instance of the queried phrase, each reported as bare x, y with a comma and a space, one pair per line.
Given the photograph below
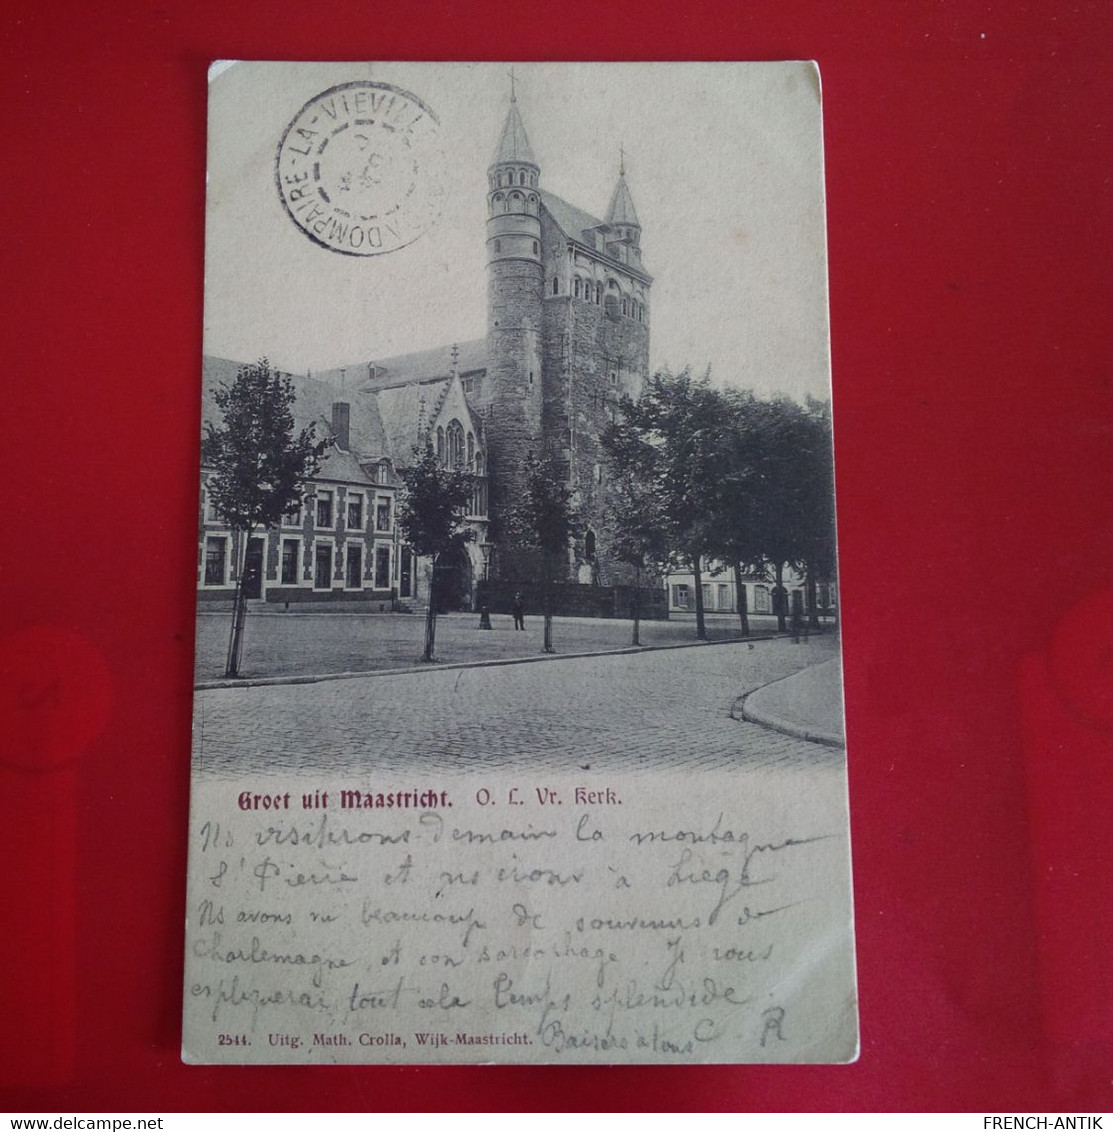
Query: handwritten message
513, 921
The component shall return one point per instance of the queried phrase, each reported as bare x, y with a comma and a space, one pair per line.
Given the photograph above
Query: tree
258, 467
818, 501
636, 534
671, 441
431, 518
736, 540
543, 519
793, 492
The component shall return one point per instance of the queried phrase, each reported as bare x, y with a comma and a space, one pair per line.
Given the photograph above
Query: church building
567, 337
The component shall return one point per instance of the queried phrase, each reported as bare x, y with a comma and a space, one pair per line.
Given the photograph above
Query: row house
720, 594
340, 543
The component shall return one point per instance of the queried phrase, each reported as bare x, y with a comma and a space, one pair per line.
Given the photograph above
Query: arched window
522, 177
479, 463
440, 444
589, 546
556, 285
516, 199
454, 444
598, 293
576, 287
471, 450
498, 246
536, 248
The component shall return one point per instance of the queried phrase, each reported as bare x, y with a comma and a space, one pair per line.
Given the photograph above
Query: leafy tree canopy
544, 517
259, 466
432, 509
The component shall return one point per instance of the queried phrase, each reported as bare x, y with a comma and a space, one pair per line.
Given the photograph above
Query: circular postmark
359, 169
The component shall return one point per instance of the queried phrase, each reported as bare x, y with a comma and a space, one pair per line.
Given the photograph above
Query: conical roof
513, 143
621, 210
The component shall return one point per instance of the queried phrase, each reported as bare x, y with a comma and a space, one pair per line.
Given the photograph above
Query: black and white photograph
518, 716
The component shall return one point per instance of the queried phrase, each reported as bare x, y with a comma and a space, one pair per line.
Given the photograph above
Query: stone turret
511, 398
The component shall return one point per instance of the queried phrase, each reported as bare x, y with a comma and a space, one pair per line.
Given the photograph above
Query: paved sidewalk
310, 644
807, 705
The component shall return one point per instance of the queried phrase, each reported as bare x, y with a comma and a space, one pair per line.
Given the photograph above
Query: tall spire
621, 210
513, 144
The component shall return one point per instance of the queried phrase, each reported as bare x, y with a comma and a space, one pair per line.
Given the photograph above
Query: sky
723, 161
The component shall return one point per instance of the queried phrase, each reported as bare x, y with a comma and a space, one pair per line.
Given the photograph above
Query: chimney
341, 424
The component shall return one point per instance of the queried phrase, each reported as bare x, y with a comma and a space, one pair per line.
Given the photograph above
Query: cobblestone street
626, 712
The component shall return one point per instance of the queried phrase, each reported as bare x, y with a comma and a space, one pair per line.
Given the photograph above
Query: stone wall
571, 600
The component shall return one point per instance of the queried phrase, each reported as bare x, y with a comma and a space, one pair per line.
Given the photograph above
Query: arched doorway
454, 581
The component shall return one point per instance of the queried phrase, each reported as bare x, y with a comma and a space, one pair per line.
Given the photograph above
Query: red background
968, 165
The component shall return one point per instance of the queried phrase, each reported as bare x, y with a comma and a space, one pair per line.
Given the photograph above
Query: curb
417, 668
744, 712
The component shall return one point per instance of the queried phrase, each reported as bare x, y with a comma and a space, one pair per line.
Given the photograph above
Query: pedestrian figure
519, 611
797, 624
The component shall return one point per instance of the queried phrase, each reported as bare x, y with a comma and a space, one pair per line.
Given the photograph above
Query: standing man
519, 611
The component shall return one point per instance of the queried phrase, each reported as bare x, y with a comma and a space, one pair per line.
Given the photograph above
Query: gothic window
598, 294
454, 454
589, 546
479, 463
440, 444
471, 450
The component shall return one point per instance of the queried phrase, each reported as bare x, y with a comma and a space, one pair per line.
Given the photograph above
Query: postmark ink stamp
358, 170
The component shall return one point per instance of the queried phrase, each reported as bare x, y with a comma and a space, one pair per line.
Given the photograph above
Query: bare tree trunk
428, 656
782, 599
239, 614
637, 603
813, 611
547, 603
740, 590
701, 627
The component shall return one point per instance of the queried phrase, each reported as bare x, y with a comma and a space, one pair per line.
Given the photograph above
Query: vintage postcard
518, 714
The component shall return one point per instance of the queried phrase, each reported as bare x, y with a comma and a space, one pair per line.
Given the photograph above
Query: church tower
511, 397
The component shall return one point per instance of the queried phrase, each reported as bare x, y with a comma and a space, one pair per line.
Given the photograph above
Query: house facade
720, 592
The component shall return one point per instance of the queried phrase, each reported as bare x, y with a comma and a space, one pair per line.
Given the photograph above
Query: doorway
253, 569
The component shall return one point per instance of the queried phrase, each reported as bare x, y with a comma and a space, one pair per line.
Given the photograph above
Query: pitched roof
621, 210
313, 403
404, 410
513, 144
404, 369
572, 221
